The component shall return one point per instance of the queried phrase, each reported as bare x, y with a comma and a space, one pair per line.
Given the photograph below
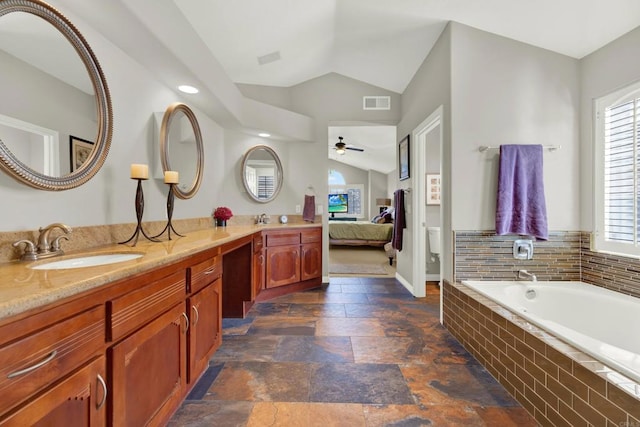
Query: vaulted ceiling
287, 42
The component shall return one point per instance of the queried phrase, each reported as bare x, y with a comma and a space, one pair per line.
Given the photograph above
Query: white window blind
617, 172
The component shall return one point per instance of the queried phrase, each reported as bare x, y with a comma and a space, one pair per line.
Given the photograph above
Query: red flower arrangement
222, 213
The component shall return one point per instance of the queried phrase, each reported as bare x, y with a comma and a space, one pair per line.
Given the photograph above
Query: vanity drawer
37, 360
311, 236
205, 272
134, 309
283, 239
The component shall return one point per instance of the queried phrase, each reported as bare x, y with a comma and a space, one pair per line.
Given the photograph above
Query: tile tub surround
567, 255
482, 255
555, 382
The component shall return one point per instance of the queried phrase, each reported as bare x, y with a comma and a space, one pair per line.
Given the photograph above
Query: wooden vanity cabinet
148, 371
311, 254
293, 256
258, 271
42, 358
204, 306
78, 400
148, 360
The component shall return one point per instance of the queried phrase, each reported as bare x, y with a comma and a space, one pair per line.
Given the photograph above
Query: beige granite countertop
23, 288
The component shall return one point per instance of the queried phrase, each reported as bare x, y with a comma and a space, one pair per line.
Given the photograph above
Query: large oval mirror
55, 132
181, 148
262, 173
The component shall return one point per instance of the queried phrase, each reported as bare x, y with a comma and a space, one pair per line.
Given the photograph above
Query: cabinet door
205, 332
283, 265
258, 273
149, 371
78, 400
311, 261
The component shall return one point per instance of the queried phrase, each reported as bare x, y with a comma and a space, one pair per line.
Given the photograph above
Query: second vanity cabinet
293, 256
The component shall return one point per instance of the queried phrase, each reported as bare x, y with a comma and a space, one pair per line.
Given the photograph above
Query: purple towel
521, 208
399, 222
309, 210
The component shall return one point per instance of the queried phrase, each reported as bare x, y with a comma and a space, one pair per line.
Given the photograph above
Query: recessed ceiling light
187, 89
264, 134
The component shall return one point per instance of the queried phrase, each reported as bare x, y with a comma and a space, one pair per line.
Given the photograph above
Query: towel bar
484, 148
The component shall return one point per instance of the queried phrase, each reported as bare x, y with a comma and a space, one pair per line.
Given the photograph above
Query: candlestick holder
169, 227
139, 211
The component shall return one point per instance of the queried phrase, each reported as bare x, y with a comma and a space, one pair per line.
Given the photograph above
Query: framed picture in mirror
79, 150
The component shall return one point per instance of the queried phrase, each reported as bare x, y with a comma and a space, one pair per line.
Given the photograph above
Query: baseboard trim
405, 283
432, 277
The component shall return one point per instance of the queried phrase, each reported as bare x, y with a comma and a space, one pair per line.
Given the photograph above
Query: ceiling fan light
340, 151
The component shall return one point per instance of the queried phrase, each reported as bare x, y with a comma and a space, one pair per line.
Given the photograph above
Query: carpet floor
360, 261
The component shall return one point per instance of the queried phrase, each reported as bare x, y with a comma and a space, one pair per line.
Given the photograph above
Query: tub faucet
524, 274
44, 248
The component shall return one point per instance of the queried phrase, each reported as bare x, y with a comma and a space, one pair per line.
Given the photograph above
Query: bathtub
599, 322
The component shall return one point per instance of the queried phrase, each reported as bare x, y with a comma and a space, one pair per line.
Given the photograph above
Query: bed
359, 233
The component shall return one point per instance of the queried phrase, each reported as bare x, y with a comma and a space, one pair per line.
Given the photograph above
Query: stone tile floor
356, 352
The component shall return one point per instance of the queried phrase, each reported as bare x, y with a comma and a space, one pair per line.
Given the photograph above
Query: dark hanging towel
399, 222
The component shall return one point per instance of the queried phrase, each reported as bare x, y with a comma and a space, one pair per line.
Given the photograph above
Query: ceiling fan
341, 147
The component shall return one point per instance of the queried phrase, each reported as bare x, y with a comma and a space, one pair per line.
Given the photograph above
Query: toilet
434, 242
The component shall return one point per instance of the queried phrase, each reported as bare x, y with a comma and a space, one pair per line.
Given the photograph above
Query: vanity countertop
23, 288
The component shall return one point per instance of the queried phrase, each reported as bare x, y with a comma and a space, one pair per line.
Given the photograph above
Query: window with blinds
617, 178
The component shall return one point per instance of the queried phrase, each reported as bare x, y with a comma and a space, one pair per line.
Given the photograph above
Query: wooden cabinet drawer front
310, 236
258, 243
128, 312
52, 353
283, 239
205, 272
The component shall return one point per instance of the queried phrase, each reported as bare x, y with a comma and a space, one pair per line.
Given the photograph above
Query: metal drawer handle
34, 367
211, 270
104, 388
186, 319
195, 309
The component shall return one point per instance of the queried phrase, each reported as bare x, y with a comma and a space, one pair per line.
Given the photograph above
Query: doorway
427, 262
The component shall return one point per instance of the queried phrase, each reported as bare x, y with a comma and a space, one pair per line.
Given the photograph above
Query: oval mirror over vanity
181, 148
262, 173
55, 133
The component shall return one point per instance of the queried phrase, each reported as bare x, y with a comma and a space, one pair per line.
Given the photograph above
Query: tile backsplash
482, 255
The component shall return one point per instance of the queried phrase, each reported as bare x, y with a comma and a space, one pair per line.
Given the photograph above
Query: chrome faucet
44, 249
262, 219
524, 274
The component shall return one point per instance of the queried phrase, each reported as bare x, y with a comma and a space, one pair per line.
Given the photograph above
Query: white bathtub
601, 323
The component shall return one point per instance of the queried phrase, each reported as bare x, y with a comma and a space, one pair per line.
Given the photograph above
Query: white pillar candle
171, 177
139, 171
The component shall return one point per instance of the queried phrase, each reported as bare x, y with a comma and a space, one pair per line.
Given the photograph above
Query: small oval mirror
262, 173
181, 148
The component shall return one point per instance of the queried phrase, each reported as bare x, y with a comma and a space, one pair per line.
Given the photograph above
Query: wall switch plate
319, 210
523, 249
298, 210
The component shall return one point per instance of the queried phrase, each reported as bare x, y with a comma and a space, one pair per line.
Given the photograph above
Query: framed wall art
403, 158
433, 188
79, 150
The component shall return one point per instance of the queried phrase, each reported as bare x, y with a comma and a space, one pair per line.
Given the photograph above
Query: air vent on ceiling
269, 57
376, 102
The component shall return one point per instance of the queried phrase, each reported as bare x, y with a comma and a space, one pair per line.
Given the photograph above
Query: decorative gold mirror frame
8, 161
169, 115
280, 177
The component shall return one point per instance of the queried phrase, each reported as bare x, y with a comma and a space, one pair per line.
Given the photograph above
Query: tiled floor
358, 352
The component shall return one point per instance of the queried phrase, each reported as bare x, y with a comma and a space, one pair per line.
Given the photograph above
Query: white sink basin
86, 261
